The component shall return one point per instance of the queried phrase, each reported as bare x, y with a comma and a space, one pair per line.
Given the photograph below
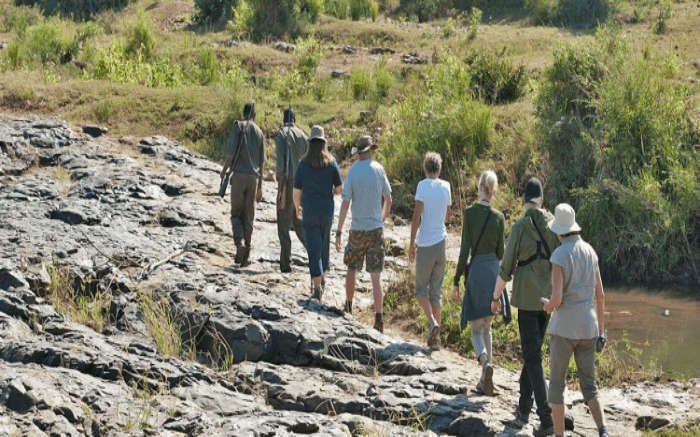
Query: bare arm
599, 301
341, 220
497, 291
227, 164
387, 206
448, 214
557, 289
417, 213
296, 195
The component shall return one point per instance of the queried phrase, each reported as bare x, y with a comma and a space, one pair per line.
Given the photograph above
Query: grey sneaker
434, 335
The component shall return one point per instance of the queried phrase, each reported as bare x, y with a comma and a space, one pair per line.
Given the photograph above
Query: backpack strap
539, 254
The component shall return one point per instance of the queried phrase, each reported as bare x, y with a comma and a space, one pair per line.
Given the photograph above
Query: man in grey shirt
246, 158
366, 188
292, 144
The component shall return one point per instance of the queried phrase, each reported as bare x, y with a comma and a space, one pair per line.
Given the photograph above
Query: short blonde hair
488, 183
432, 163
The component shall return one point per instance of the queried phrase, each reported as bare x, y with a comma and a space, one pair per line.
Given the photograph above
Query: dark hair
318, 155
249, 111
288, 116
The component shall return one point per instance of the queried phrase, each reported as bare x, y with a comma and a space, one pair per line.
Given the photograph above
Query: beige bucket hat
317, 133
364, 143
564, 220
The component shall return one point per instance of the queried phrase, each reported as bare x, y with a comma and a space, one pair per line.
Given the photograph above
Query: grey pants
430, 271
560, 350
287, 219
244, 188
481, 337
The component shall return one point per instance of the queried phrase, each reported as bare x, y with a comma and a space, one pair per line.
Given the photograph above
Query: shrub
77, 9
308, 51
360, 84
242, 23
44, 43
474, 21
360, 9
18, 19
445, 119
283, 18
140, 39
449, 28
338, 8
582, 13
113, 64
383, 80
664, 13
207, 66
425, 10
213, 11
627, 127
495, 79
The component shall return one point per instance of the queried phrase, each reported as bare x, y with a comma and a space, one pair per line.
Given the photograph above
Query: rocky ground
128, 218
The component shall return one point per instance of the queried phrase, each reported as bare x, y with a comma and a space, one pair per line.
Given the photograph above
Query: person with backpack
246, 160
482, 239
316, 180
432, 210
291, 145
526, 257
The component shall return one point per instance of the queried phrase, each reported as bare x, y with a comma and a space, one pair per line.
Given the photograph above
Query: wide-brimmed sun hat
317, 133
364, 143
564, 220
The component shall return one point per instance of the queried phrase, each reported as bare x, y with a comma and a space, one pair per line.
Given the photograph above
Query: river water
665, 327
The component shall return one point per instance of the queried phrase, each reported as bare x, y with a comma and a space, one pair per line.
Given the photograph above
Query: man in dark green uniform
246, 158
527, 253
292, 144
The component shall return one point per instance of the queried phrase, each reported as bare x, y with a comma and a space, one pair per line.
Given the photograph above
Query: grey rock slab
144, 219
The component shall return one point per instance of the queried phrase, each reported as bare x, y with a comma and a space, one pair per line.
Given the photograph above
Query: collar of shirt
571, 239
484, 202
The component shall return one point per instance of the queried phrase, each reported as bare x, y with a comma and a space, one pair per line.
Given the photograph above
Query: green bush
49, 42
141, 41
338, 8
213, 11
18, 19
621, 145
425, 10
474, 21
115, 65
242, 23
495, 79
663, 14
570, 13
360, 84
383, 81
207, 66
360, 9
449, 28
445, 119
283, 18
308, 51
77, 9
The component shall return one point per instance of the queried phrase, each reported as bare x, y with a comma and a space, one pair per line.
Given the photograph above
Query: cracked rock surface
259, 357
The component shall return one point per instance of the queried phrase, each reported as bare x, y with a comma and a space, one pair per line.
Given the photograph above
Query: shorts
430, 271
365, 244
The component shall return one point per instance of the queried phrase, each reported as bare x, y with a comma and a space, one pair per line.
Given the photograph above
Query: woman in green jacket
482, 238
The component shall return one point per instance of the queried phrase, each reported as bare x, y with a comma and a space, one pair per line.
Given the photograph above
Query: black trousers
533, 326
287, 219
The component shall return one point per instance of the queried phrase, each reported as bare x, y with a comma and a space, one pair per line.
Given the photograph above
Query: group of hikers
557, 286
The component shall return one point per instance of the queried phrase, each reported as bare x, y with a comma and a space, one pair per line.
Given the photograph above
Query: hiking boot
318, 293
568, 422
379, 322
521, 418
603, 432
437, 344
243, 257
433, 335
347, 309
285, 268
487, 386
545, 430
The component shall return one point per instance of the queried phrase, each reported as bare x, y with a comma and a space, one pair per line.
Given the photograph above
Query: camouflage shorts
365, 244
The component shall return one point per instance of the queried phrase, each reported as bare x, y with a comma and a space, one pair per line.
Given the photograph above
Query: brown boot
379, 322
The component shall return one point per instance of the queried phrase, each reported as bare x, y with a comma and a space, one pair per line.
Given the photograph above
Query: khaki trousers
243, 191
286, 220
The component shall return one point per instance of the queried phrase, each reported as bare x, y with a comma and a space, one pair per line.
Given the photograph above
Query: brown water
666, 328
